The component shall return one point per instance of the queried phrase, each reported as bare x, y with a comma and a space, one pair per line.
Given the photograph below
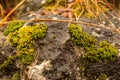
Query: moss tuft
81, 38
102, 52
107, 51
102, 76
16, 76
24, 40
39, 31
8, 64
12, 27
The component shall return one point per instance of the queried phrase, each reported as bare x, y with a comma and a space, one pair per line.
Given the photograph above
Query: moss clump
102, 76
14, 38
16, 76
12, 27
81, 38
24, 40
8, 64
39, 31
107, 51
101, 52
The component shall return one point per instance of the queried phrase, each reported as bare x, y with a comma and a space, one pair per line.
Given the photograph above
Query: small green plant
102, 52
12, 27
24, 40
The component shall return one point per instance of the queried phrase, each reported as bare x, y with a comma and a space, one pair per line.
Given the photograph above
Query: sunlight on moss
94, 50
81, 38
12, 27
24, 40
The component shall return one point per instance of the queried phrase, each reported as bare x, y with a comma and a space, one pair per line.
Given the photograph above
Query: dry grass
6, 6
6, 17
88, 8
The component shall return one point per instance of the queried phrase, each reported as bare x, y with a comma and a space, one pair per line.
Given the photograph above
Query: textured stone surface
58, 48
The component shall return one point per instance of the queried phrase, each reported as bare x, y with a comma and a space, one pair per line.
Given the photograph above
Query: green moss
39, 31
81, 38
102, 52
16, 76
107, 51
92, 55
102, 76
7, 64
24, 40
13, 38
12, 27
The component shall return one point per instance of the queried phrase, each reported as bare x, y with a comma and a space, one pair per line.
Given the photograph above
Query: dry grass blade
5, 18
1, 11
108, 4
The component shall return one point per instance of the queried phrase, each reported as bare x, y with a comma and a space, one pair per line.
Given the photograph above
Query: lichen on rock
35, 72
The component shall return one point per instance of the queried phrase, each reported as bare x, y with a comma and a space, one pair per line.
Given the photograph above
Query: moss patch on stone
94, 51
12, 27
24, 40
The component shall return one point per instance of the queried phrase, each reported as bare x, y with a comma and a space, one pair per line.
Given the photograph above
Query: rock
56, 57
35, 72
58, 47
5, 48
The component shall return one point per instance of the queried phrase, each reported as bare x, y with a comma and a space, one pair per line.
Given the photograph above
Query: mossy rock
24, 40
12, 27
95, 51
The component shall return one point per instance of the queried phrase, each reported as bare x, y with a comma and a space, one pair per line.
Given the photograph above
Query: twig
67, 21
5, 18
52, 20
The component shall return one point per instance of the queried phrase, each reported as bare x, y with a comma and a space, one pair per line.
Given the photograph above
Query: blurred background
76, 8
